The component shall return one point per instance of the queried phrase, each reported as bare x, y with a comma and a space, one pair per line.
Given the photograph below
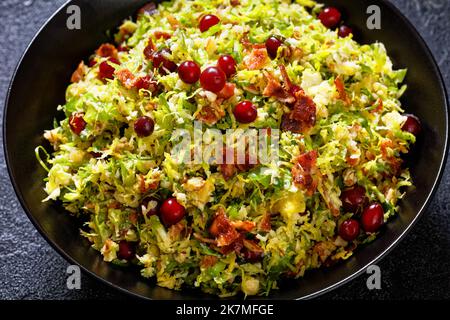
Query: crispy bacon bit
107, 50
133, 216
276, 90
174, 23
223, 230
243, 225
257, 59
114, 205
291, 53
264, 224
144, 186
393, 161
341, 90
211, 114
236, 246
379, 107
208, 261
162, 35
252, 89
149, 49
126, 77
304, 172
303, 116
235, 3
79, 73
199, 237
149, 8
246, 42
227, 91
252, 251
176, 230
130, 81
324, 249
229, 169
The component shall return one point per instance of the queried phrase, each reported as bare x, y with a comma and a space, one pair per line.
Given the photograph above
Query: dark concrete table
30, 269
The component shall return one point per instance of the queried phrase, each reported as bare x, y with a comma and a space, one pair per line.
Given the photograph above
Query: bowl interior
44, 72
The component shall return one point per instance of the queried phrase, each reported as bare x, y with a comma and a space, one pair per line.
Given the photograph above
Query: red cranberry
162, 63
208, 21
373, 217
354, 199
189, 72
77, 123
227, 64
330, 17
412, 125
171, 212
144, 126
349, 230
272, 45
245, 112
213, 79
126, 250
106, 71
344, 31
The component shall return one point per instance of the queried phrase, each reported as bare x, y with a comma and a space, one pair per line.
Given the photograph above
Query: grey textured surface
419, 268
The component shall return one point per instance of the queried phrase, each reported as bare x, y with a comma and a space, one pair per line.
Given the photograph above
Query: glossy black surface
49, 64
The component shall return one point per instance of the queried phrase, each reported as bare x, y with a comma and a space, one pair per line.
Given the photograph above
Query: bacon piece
223, 230
235, 3
257, 59
149, 8
162, 35
379, 107
393, 161
252, 251
324, 249
149, 49
107, 50
126, 77
203, 239
227, 91
264, 224
236, 246
133, 216
130, 81
243, 225
304, 172
144, 187
303, 116
208, 261
227, 170
276, 90
176, 230
211, 114
79, 73
174, 23
341, 90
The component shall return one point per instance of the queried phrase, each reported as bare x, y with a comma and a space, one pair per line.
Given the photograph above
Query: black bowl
44, 71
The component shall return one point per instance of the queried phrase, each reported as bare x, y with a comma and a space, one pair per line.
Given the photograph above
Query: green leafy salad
288, 69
